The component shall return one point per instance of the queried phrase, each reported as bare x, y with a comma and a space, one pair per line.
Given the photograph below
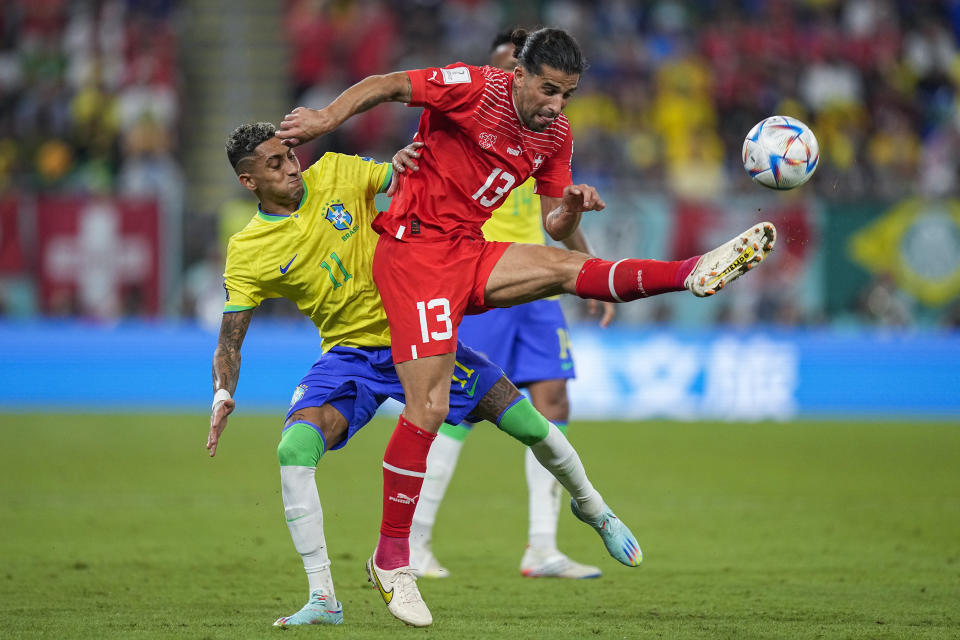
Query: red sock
404, 466
631, 279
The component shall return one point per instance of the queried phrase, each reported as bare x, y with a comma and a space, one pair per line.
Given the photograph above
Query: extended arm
561, 216
302, 124
226, 371
577, 241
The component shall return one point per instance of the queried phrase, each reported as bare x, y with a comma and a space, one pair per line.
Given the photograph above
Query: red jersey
477, 150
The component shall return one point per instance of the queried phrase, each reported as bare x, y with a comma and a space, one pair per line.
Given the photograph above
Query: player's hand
578, 198
404, 159
606, 310
303, 125
218, 422
407, 158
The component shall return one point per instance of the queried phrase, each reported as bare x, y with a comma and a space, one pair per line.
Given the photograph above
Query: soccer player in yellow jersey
310, 241
531, 343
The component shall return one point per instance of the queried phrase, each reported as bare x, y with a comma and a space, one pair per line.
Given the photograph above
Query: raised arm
303, 124
226, 372
561, 216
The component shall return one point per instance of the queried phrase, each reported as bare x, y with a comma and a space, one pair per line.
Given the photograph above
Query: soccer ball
780, 152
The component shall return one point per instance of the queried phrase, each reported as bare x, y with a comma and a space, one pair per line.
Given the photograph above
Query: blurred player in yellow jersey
310, 241
531, 343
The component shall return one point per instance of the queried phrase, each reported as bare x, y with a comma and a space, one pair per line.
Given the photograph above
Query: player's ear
247, 181
519, 75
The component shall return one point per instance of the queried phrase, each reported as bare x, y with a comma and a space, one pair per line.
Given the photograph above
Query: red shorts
427, 287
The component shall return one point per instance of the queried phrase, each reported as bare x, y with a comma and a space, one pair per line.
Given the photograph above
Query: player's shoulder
461, 73
332, 160
495, 74
329, 160
247, 231
339, 170
246, 235
244, 245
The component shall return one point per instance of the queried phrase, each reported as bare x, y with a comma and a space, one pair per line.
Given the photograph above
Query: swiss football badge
487, 140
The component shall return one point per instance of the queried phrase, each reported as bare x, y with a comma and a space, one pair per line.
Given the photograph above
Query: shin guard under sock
404, 467
631, 279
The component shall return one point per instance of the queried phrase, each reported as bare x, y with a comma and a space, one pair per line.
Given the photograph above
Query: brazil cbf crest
339, 217
298, 393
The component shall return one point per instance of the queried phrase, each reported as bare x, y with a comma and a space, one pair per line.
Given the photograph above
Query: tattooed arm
226, 371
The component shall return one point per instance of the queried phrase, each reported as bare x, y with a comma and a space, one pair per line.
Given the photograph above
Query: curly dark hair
246, 138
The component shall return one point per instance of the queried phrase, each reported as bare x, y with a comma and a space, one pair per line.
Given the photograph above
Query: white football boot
729, 261
538, 563
398, 588
424, 564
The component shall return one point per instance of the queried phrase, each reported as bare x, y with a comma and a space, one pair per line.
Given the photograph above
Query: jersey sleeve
240, 282
445, 89
556, 172
369, 175
379, 175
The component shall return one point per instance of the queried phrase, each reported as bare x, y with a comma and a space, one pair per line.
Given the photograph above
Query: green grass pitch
120, 526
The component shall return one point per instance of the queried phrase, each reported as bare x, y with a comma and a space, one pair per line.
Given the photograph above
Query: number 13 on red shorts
426, 287
441, 318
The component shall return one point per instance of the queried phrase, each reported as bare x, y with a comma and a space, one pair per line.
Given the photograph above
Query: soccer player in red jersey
486, 131
532, 343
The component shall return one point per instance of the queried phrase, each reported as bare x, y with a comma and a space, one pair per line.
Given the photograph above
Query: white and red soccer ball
780, 152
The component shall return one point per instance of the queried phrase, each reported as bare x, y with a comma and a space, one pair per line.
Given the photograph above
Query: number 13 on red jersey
504, 182
441, 318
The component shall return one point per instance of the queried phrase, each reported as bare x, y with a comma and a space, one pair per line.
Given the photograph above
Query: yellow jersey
518, 218
320, 256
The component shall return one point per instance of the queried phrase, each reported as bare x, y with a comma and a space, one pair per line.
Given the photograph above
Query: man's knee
301, 445
524, 423
426, 387
428, 415
555, 408
551, 399
326, 419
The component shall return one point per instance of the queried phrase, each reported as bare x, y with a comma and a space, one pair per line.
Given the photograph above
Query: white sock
441, 461
557, 454
301, 506
544, 499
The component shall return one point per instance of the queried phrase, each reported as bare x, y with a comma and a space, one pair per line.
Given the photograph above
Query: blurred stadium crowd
88, 96
673, 86
91, 103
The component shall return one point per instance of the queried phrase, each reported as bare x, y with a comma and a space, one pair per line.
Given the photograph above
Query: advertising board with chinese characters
622, 374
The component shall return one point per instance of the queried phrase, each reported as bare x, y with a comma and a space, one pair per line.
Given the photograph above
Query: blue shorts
356, 381
530, 341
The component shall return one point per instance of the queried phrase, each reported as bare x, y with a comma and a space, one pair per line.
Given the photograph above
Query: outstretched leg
555, 453
530, 272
